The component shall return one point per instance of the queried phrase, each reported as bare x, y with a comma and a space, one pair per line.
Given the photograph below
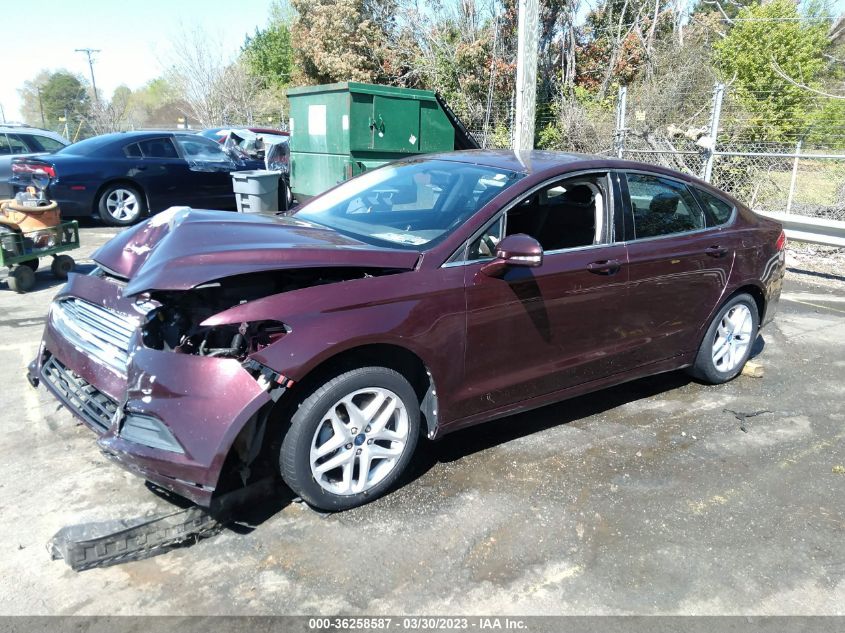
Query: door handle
140, 167
716, 251
605, 267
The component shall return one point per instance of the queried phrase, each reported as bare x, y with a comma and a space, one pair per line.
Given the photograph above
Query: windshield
409, 205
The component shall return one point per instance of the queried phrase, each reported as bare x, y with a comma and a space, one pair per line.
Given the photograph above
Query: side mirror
515, 250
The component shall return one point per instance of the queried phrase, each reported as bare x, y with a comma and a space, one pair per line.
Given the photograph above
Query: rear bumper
772, 279
203, 402
73, 203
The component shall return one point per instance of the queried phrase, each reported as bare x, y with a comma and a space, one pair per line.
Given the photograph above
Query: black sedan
123, 176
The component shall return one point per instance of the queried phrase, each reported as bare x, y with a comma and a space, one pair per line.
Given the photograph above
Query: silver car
23, 140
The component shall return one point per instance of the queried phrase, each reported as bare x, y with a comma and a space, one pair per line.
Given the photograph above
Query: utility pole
526, 74
89, 52
41, 107
2, 113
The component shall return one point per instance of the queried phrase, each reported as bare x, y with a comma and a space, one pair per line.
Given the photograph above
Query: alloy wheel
122, 204
733, 337
359, 441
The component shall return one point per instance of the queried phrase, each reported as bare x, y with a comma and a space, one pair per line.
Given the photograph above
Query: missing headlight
173, 330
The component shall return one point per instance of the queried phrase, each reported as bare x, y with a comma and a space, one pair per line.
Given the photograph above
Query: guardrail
813, 230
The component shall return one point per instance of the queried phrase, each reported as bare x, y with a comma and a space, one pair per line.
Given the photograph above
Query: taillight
30, 168
781, 243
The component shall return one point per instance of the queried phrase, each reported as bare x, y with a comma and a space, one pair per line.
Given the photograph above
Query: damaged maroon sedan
209, 348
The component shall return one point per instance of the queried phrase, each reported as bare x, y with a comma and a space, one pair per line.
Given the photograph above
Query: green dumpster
340, 130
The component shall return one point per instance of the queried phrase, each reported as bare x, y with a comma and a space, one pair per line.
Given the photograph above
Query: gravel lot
652, 497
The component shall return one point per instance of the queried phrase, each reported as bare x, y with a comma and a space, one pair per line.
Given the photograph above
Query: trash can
256, 190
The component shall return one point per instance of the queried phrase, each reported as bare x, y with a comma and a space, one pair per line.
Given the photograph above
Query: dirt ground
656, 497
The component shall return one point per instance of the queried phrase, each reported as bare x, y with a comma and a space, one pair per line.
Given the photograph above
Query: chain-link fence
792, 164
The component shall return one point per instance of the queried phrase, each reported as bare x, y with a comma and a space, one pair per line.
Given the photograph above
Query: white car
23, 140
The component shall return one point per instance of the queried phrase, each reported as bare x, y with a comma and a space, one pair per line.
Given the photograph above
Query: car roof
521, 161
532, 162
28, 129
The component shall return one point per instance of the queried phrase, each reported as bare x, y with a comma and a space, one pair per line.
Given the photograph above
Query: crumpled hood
181, 248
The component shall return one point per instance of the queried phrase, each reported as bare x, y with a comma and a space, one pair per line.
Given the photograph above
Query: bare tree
214, 88
109, 116
196, 69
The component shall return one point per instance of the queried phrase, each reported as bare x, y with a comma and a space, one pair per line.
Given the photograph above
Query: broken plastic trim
103, 543
268, 379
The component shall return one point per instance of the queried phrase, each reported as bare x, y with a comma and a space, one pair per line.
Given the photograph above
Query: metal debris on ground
741, 416
104, 543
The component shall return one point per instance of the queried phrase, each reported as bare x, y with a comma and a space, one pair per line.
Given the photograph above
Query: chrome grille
104, 334
83, 398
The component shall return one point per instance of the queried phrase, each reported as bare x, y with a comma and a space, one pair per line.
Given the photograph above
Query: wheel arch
756, 293
390, 355
749, 287
269, 425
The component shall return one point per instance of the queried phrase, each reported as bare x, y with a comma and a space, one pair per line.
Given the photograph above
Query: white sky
134, 37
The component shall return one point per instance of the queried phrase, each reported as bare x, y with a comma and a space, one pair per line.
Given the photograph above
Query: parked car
23, 140
414, 300
120, 177
220, 134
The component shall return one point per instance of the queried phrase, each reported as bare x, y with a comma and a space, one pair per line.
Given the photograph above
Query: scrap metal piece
100, 544
104, 543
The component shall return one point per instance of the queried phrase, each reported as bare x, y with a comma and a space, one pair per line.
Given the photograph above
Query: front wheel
121, 205
728, 341
21, 279
351, 438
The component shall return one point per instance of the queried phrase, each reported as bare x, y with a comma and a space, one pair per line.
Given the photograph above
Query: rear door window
662, 206
158, 148
17, 145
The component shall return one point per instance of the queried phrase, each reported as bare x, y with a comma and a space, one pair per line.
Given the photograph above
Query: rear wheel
61, 266
121, 205
21, 279
31, 263
728, 341
351, 438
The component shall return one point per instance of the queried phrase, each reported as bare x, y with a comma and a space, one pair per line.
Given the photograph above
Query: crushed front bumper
203, 402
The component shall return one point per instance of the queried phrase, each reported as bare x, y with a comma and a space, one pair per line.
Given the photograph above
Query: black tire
111, 194
294, 456
61, 266
21, 279
31, 263
704, 368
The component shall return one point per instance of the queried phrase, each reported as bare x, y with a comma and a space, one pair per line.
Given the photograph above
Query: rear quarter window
39, 143
718, 211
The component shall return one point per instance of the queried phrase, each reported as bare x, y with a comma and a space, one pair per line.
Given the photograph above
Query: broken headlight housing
176, 331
